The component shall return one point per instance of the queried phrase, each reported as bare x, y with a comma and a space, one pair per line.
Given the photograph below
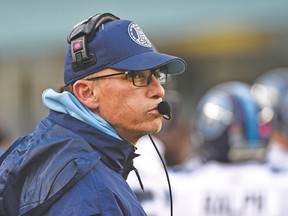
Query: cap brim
151, 60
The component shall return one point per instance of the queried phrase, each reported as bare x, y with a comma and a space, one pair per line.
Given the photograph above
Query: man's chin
156, 129
152, 127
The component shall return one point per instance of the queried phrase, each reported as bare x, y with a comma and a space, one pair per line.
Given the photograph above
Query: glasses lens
161, 75
141, 78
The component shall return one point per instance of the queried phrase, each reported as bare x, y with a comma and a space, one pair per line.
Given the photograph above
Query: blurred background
220, 41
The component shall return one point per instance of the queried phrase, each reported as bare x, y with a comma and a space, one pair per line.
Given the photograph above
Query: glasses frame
108, 75
130, 73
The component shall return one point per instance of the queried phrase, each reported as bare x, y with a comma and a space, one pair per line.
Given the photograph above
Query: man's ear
86, 92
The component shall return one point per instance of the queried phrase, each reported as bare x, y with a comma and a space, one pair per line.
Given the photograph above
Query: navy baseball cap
122, 45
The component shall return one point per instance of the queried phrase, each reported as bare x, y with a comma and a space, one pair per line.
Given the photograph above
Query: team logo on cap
137, 35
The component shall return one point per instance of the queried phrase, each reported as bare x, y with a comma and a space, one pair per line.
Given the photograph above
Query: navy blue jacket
67, 167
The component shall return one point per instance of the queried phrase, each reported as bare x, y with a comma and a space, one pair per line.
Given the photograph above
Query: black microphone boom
164, 108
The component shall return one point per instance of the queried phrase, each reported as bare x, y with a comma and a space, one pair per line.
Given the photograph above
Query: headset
82, 33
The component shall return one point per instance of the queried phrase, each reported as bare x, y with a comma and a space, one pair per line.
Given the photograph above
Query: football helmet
230, 124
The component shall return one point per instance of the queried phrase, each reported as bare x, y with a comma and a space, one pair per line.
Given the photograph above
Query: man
77, 159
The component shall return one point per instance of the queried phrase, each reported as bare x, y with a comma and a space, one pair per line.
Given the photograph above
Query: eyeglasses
140, 78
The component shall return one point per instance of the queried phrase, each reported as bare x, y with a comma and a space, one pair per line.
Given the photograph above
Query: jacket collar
115, 153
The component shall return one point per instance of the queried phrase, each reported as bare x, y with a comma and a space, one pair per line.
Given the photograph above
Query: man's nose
155, 88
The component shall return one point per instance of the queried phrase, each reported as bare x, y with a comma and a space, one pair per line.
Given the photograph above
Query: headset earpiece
81, 34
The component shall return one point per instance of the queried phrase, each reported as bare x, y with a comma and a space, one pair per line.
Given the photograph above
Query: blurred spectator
270, 90
233, 180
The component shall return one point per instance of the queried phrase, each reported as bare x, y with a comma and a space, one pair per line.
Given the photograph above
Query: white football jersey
216, 189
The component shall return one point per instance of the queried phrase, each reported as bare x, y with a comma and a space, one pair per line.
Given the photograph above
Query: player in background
232, 132
228, 118
270, 89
